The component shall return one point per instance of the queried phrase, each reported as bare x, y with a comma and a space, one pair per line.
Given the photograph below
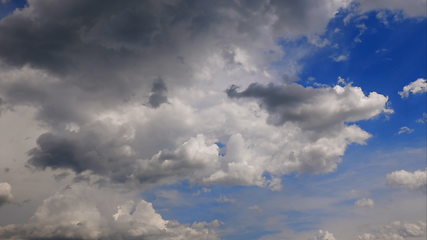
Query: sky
213, 120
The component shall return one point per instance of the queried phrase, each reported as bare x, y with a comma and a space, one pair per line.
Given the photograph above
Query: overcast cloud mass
149, 119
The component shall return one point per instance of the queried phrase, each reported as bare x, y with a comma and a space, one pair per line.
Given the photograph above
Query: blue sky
232, 147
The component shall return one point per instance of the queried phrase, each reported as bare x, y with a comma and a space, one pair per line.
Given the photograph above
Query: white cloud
324, 235
5, 193
396, 231
81, 212
255, 208
225, 199
340, 58
365, 202
417, 87
416, 180
405, 130
423, 119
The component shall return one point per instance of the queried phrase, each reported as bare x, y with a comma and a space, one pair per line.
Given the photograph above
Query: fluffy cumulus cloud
416, 87
324, 235
397, 230
177, 140
5, 193
81, 212
144, 93
416, 180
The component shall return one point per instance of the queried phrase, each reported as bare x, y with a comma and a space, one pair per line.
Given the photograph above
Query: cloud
423, 119
176, 141
417, 87
255, 208
87, 70
294, 103
340, 58
405, 130
158, 94
324, 235
80, 212
225, 199
5, 193
416, 180
411, 8
396, 231
365, 202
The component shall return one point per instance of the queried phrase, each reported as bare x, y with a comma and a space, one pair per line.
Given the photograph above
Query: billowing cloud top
324, 235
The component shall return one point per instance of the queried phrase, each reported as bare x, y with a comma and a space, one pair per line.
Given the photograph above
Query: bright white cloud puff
417, 87
416, 180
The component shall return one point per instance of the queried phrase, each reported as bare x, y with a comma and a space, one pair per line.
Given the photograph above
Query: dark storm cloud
277, 100
79, 152
158, 94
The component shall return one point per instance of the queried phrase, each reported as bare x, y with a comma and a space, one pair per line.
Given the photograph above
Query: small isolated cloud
417, 87
406, 130
324, 235
423, 119
225, 199
255, 208
396, 231
202, 190
410, 180
365, 202
381, 51
340, 58
5, 193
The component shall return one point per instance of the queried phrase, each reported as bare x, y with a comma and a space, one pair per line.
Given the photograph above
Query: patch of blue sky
7, 7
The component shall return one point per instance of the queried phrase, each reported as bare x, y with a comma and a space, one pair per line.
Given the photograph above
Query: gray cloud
310, 107
158, 94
